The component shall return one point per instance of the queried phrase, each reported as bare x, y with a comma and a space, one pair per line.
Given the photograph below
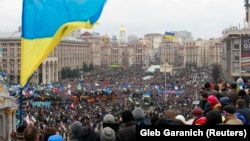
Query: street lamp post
81, 73
165, 92
196, 95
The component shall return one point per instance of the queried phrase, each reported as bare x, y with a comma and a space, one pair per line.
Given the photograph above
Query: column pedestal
9, 116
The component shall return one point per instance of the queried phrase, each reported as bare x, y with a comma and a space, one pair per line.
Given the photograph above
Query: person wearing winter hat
199, 118
127, 116
108, 134
108, 118
109, 121
213, 117
19, 134
225, 101
127, 133
180, 119
231, 118
88, 134
212, 101
75, 128
55, 138
139, 116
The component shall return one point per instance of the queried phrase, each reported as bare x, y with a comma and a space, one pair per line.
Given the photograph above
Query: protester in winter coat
127, 133
231, 118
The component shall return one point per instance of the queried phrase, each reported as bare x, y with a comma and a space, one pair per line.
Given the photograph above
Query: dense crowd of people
184, 97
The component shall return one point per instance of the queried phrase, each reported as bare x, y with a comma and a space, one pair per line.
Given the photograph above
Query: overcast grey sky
203, 18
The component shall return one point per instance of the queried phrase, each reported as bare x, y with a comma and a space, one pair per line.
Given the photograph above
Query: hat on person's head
107, 134
138, 113
181, 118
212, 100
207, 85
108, 118
197, 111
76, 127
127, 116
55, 138
225, 101
229, 109
213, 117
19, 132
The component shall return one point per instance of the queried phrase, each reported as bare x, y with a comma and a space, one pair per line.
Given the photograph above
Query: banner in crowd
170, 92
44, 104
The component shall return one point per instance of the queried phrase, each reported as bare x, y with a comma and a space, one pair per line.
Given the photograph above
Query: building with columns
8, 109
70, 52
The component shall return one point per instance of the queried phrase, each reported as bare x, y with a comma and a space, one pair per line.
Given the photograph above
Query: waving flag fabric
45, 22
169, 36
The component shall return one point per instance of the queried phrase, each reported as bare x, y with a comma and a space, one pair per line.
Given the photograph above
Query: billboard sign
245, 53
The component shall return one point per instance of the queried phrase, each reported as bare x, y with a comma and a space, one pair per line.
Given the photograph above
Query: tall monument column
14, 120
9, 115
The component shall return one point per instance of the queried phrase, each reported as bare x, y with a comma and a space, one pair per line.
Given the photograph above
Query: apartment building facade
236, 51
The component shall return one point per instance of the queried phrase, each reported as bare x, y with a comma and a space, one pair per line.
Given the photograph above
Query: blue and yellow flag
169, 36
46, 22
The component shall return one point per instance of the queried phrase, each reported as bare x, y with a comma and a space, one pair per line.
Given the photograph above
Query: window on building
236, 55
12, 65
236, 67
236, 44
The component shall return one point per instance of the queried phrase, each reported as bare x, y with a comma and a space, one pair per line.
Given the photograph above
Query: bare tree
216, 71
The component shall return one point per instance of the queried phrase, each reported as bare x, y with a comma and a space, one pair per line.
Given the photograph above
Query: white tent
152, 68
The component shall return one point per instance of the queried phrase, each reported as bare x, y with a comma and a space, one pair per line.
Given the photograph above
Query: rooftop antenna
244, 22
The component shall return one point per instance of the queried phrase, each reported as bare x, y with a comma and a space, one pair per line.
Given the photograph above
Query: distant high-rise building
183, 36
132, 38
122, 38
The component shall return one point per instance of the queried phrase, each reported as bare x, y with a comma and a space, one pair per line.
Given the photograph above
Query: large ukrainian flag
45, 22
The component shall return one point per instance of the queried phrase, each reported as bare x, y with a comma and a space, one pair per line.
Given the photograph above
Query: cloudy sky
203, 18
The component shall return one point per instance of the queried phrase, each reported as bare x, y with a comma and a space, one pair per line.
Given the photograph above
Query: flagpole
21, 97
21, 105
165, 93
